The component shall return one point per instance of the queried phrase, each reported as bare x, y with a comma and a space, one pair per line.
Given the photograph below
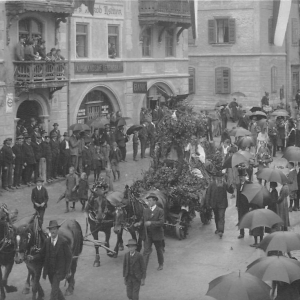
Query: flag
194, 17
88, 3
281, 14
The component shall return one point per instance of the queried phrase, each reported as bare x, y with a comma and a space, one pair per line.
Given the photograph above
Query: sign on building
139, 87
9, 102
101, 67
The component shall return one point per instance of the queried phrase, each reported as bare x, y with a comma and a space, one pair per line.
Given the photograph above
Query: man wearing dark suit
87, 159
7, 164
151, 135
55, 130
30, 128
293, 185
57, 257
47, 154
35, 134
133, 270
65, 154
38, 153
54, 144
39, 198
29, 160
74, 145
143, 136
153, 233
19, 161
242, 202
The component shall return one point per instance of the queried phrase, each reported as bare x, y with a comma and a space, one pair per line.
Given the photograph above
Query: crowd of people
35, 50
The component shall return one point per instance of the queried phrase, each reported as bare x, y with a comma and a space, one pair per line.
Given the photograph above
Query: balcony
165, 12
40, 74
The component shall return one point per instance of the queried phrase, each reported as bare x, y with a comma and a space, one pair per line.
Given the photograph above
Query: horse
30, 239
100, 216
7, 252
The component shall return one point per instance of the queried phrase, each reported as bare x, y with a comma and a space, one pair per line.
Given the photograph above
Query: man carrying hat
57, 257
153, 233
7, 164
134, 270
19, 161
55, 130
39, 198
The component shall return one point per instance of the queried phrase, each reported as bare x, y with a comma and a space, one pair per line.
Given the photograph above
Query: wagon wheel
181, 227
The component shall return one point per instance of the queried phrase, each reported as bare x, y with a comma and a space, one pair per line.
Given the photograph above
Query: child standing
115, 157
97, 163
134, 270
135, 143
83, 189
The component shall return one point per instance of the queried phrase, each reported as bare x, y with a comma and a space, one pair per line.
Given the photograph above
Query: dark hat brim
132, 244
53, 226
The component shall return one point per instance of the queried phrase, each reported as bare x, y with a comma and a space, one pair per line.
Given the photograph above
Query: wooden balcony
163, 12
40, 74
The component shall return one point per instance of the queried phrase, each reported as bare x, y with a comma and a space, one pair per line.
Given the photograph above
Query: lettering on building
98, 67
102, 11
139, 87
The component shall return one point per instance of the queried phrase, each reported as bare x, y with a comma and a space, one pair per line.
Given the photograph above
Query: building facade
234, 52
121, 57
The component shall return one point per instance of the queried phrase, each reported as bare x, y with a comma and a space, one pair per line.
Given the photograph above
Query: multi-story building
234, 52
120, 58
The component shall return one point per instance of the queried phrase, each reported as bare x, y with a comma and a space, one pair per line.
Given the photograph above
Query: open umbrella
257, 194
115, 198
239, 131
255, 108
292, 153
234, 160
280, 113
77, 127
259, 217
221, 103
237, 286
284, 241
121, 122
259, 115
263, 123
99, 122
133, 128
238, 94
86, 127
246, 141
270, 174
275, 268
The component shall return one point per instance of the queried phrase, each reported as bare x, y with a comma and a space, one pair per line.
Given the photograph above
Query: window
295, 83
223, 81
221, 31
169, 42
295, 32
30, 29
271, 31
81, 40
113, 41
192, 81
191, 40
146, 46
274, 79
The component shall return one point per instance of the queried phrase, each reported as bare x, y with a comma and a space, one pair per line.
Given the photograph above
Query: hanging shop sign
139, 87
9, 102
99, 67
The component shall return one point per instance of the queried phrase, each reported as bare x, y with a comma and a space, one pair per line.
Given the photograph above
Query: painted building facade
234, 52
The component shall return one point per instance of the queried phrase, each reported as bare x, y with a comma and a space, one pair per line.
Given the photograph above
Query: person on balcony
58, 55
51, 56
41, 49
19, 51
29, 51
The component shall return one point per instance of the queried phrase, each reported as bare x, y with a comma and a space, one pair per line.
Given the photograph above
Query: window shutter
295, 32
211, 32
192, 81
232, 30
219, 80
226, 81
270, 30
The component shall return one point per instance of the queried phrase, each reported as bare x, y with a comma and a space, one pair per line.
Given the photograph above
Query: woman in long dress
283, 207
72, 183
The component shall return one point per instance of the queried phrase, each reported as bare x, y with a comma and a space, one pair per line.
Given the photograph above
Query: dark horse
100, 216
7, 252
29, 241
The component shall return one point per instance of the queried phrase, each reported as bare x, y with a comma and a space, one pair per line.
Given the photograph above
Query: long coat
7, 156
71, 182
74, 144
283, 206
216, 197
18, 151
242, 202
138, 265
39, 198
28, 154
156, 218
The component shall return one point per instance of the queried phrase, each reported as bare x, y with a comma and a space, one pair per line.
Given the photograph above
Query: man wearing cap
153, 233
39, 198
47, 154
216, 198
65, 154
134, 270
7, 164
55, 130
54, 144
38, 153
19, 161
29, 160
57, 257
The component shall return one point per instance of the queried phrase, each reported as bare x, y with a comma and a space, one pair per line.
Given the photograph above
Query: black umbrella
121, 122
133, 128
255, 108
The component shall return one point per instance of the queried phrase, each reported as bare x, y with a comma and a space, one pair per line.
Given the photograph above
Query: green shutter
211, 32
270, 31
232, 30
219, 80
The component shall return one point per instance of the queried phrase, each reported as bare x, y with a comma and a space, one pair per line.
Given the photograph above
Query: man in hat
65, 154
38, 153
74, 144
242, 202
134, 270
153, 233
216, 198
47, 154
43, 135
87, 159
151, 134
29, 160
81, 146
39, 198
54, 144
19, 161
30, 128
293, 186
121, 140
143, 136
7, 164
55, 130
35, 134
57, 257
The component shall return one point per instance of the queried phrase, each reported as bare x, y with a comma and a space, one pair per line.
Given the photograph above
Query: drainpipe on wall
69, 73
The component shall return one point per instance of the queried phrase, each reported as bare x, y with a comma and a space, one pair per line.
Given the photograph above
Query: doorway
29, 109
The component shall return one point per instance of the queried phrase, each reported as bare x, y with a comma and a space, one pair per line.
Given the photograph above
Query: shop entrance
156, 95
29, 109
